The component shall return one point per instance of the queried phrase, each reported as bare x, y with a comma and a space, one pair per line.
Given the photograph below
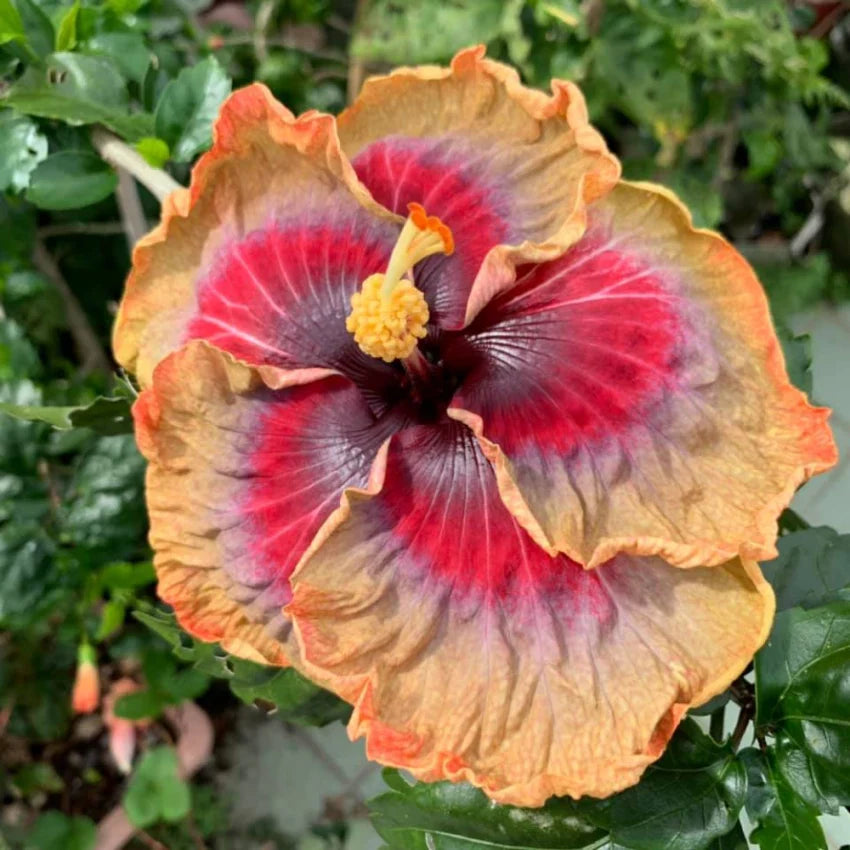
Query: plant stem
356, 67
121, 156
744, 719
130, 206
92, 354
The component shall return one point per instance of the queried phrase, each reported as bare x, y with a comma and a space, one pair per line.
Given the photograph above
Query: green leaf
812, 565
154, 150
734, 840
188, 106
456, 816
125, 7
783, 821
127, 49
37, 776
206, 657
103, 510
106, 416
22, 148
37, 27
11, 25
71, 179
27, 579
793, 286
296, 699
802, 683
704, 202
764, 152
140, 705
66, 35
798, 358
111, 619
156, 792
124, 576
79, 89
690, 800
55, 831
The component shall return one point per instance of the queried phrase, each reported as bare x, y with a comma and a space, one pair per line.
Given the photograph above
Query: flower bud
86, 693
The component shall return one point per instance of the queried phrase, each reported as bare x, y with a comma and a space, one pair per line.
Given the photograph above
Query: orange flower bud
86, 693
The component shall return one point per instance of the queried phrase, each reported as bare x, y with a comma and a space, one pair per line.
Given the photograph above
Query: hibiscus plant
456, 423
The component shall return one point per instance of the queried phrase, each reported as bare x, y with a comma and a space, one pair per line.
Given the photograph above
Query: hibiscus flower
471, 432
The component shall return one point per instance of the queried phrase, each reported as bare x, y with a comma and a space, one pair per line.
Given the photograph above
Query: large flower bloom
473, 434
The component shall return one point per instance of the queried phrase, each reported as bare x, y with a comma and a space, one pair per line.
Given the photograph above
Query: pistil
389, 315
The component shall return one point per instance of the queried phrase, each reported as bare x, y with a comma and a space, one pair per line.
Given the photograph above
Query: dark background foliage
741, 106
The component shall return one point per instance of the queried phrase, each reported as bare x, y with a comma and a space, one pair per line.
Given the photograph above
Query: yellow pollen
389, 314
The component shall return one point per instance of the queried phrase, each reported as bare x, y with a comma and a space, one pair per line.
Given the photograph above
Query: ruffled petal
470, 654
500, 164
240, 478
262, 253
633, 396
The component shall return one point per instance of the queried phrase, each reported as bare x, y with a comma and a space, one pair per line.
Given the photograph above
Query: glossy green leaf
103, 510
803, 694
128, 50
66, 34
80, 90
155, 791
27, 579
107, 416
68, 180
812, 565
55, 831
11, 25
733, 840
188, 106
783, 821
295, 699
690, 797
209, 658
689, 800
37, 27
456, 816
22, 148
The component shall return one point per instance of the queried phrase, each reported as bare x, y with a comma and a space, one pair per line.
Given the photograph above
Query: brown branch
130, 206
743, 694
744, 719
356, 67
194, 832
92, 354
149, 841
728, 144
